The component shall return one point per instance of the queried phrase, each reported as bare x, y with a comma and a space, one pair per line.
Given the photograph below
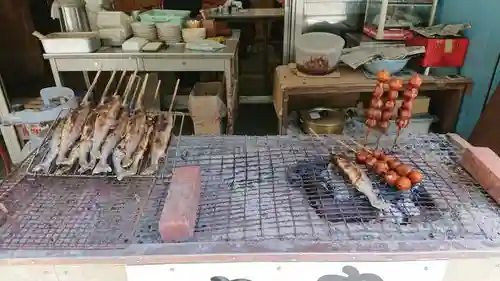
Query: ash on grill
339, 203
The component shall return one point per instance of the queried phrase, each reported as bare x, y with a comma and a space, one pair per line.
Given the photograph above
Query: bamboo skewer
122, 77
362, 146
173, 96
106, 89
346, 146
157, 91
128, 88
378, 140
85, 99
139, 103
136, 90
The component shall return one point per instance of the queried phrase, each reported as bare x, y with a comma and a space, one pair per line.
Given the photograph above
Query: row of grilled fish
91, 136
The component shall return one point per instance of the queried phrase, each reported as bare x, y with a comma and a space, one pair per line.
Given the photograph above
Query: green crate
158, 15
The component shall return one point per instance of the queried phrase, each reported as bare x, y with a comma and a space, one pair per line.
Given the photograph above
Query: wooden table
446, 94
174, 58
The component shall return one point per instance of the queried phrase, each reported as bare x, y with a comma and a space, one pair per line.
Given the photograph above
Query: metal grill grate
252, 191
65, 213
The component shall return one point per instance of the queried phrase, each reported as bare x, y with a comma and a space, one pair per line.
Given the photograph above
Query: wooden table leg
55, 73
283, 116
228, 82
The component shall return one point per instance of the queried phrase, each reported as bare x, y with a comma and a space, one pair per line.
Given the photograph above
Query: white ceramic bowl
193, 34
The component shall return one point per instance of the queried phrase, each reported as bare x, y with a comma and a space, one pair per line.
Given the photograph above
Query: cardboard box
207, 108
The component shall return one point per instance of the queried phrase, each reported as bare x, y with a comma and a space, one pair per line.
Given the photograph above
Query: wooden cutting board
487, 130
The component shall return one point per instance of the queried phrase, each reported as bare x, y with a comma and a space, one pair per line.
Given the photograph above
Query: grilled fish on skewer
354, 175
86, 144
120, 82
110, 143
102, 106
139, 154
67, 164
115, 136
161, 135
135, 128
159, 143
106, 120
44, 166
74, 124
117, 158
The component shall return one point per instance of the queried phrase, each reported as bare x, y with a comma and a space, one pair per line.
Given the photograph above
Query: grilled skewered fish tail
143, 146
159, 143
136, 128
70, 162
117, 158
86, 144
55, 142
110, 144
357, 177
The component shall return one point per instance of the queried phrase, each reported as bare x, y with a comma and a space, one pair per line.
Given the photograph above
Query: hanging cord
490, 85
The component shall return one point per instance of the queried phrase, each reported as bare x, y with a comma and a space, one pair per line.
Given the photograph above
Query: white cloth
54, 10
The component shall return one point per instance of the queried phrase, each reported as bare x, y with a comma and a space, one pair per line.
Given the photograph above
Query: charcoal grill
252, 208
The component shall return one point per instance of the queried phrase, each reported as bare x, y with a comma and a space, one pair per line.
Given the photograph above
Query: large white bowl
318, 53
193, 34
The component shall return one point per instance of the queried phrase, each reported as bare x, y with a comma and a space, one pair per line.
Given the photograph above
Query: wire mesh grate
251, 192
254, 189
66, 213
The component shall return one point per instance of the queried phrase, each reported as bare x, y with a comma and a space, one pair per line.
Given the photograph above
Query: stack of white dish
168, 32
146, 30
114, 36
114, 27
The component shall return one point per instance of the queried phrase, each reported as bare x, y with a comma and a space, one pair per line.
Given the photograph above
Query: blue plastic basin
391, 66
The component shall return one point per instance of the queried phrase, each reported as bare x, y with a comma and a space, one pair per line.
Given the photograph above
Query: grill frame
274, 249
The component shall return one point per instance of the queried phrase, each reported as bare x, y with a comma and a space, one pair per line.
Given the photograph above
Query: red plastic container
441, 52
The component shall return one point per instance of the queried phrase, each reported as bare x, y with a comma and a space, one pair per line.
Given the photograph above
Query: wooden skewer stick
398, 133
128, 88
378, 140
157, 91
362, 146
139, 104
368, 131
173, 96
122, 77
136, 90
346, 146
108, 86
86, 98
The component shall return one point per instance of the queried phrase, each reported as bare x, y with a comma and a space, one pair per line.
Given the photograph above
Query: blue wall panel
483, 51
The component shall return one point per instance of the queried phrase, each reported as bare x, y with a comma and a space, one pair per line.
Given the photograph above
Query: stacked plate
146, 30
168, 32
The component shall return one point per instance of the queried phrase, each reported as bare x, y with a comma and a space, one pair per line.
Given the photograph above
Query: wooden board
354, 81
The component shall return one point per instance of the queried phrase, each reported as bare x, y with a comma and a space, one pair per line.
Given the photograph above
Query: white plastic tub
418, 125
71, 42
